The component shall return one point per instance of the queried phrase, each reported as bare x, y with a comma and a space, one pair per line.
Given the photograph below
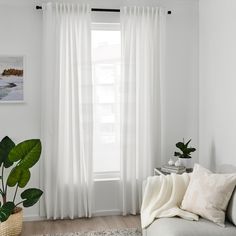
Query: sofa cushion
231, 210
208, 194
180, 227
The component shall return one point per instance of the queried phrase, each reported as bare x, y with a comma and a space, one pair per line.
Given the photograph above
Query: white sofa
179, 227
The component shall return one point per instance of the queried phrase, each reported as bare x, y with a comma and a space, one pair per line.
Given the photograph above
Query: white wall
20, 33
180, 115
217, 113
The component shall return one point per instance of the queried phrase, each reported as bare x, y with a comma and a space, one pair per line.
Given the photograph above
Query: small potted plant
184, 155
20, 159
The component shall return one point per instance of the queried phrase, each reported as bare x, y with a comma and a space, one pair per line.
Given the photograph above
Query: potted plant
184, 156
19, 159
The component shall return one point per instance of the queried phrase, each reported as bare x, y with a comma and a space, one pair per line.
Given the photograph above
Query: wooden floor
79, 225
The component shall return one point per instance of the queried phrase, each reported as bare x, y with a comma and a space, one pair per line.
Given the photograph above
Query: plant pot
13, 225
187, 162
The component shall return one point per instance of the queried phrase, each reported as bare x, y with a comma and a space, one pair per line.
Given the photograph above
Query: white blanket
162, 198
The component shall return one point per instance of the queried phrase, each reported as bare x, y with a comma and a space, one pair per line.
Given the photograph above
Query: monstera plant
185, 151
19, 159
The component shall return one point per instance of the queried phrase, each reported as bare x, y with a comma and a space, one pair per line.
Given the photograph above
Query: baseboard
33, 218
108, 212
96, 213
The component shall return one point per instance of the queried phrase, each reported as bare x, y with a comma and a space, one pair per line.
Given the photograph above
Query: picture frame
12, 78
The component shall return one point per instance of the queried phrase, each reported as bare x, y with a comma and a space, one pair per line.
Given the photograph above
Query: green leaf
6, 210
6, 146
24, 178
18, 175
186, 145
187, 151
185, 156
191, 149
177, 154
28, 152
180, 145
31, 196
13, 177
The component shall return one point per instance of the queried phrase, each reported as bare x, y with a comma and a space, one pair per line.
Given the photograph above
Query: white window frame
106, 26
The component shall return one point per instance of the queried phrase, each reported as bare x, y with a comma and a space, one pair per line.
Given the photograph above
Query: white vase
171, 162
178, 163
187, 162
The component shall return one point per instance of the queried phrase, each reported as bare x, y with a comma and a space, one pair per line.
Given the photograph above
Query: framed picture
12, 78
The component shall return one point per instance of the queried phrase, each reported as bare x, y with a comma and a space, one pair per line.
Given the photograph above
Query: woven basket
13, 225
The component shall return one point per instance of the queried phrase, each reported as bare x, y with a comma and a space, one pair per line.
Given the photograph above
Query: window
106, 56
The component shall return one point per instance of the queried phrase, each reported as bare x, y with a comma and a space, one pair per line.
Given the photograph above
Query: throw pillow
231, 210
208, 194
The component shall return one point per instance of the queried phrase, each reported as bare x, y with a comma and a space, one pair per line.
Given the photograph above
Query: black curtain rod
102, 9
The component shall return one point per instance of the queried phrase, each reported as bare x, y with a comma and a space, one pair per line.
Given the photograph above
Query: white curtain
143, 32
67, 110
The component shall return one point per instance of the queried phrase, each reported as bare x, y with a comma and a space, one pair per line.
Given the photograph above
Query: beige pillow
208, 194
231, 210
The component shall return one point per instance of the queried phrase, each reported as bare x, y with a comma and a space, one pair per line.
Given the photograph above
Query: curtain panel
143, 32
67, 117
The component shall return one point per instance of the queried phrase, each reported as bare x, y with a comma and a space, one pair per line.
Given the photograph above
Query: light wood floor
95, 223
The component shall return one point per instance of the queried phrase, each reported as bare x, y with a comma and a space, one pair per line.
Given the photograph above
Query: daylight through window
106, 56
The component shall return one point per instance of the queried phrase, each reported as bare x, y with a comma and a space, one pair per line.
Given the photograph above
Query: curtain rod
101, 9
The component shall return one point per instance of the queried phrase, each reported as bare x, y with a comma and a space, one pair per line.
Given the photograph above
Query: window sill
106, 179
106, 176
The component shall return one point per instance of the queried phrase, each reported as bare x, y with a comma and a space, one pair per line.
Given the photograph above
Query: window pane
106, 56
